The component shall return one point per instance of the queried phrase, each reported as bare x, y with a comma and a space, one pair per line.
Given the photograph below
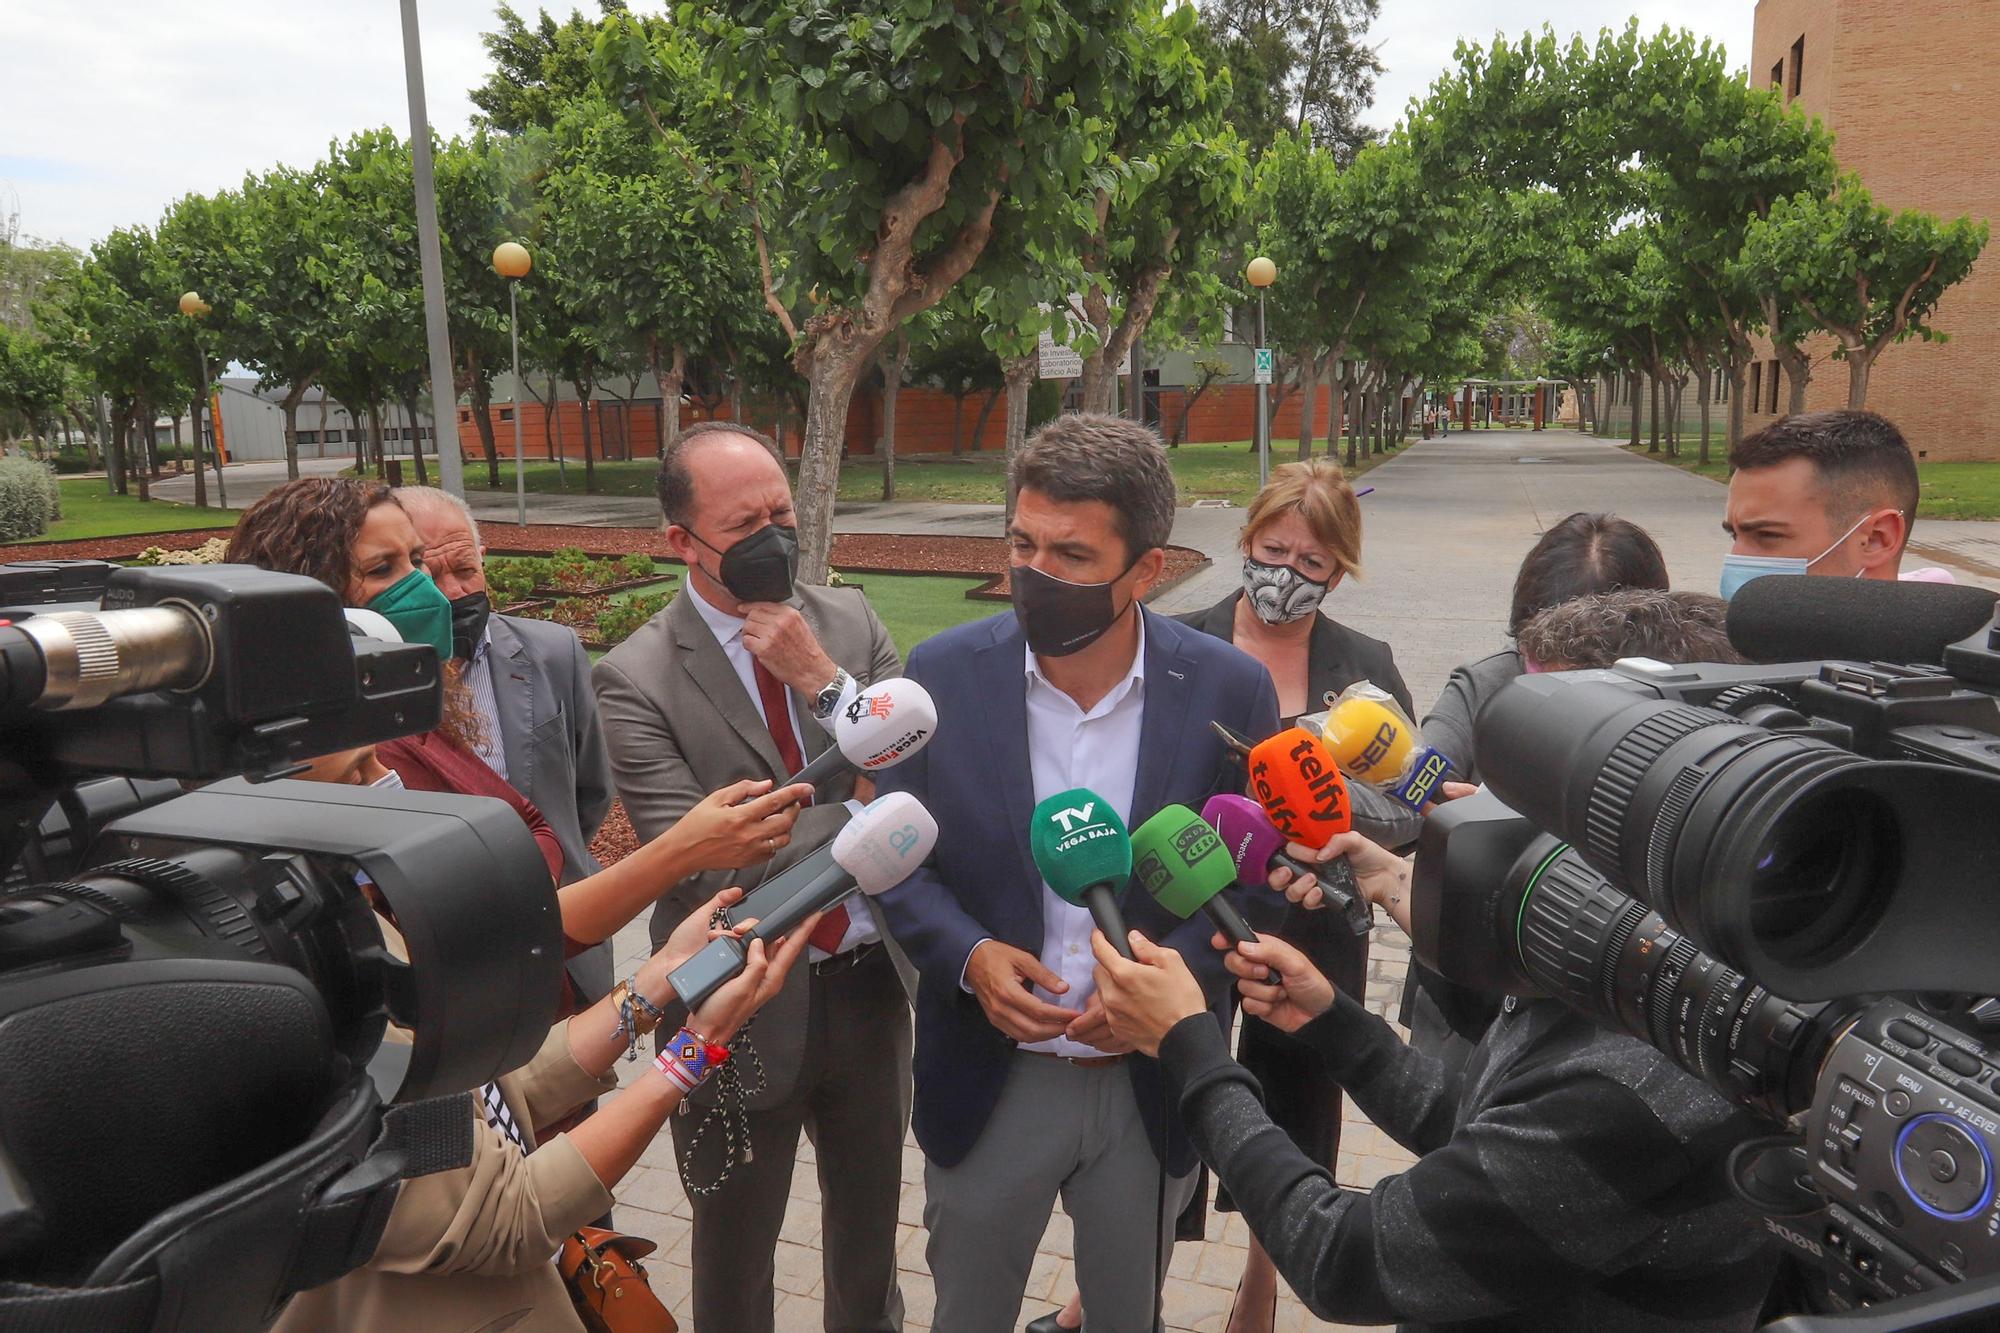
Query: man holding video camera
1570, 1178
742, 677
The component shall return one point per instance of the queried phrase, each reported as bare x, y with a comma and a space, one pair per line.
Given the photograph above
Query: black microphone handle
1337, 883
786, 899
1229, 921
828, 763
1103, 905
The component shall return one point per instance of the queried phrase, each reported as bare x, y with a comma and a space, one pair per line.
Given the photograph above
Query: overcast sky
114, 108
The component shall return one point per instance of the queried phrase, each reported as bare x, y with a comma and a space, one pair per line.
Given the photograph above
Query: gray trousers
1058, 1131
852, 1099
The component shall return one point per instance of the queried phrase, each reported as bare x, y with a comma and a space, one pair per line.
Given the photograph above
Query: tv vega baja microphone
875, 851
1080, 846
882, 725
1254, 844
1179, 859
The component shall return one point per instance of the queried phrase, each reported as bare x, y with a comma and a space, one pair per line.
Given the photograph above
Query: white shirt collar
485, 642
725, 627
1134, 677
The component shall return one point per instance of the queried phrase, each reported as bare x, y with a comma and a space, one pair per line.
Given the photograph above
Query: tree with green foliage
1297, 65
120, 314
34, 381
1868, 276
537, 68
914, 119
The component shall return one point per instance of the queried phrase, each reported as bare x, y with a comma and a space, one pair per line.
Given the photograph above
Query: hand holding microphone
1256, 847
1080, 845
878, 849
882, 725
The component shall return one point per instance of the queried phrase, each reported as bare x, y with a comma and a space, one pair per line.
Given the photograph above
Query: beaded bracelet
687, 1058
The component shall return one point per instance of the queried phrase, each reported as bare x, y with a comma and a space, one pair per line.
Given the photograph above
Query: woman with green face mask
353, 536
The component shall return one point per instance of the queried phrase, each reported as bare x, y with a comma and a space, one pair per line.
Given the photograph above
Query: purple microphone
1255, 845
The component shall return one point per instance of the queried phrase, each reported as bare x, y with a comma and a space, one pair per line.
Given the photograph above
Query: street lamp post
195, 308
1262, 273
512, 261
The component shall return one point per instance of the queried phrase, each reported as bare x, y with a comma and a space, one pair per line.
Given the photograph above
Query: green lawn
1204, 472
89, 510
913, 607
1944, 490
1689, 458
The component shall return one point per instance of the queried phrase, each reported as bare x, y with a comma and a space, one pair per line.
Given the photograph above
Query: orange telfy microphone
1300, 787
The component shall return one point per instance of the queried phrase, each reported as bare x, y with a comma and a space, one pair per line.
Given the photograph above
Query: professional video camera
195, 988
1830, 829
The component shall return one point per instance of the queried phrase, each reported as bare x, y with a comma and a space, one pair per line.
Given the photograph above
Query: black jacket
1336, 657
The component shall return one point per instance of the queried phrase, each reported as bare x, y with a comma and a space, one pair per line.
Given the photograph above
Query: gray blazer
555, 750
680, 725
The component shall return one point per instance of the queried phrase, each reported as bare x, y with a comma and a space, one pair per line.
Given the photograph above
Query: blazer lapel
1004, 697
1169, 686
811, 734
708, 667
514, 700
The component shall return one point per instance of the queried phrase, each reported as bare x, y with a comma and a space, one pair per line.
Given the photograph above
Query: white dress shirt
479, 676
1098, 749
728, 631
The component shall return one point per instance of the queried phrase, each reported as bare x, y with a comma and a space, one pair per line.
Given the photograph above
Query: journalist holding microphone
1023, 1094
1568, 1178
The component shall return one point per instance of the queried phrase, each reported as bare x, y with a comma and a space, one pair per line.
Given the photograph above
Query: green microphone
1080, 846
1183, 864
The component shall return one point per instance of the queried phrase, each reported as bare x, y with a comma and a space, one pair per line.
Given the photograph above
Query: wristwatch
828, 698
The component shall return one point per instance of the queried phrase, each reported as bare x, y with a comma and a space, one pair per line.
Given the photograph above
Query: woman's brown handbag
607, 1285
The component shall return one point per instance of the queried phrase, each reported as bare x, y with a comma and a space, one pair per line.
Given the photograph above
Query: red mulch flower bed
857, 552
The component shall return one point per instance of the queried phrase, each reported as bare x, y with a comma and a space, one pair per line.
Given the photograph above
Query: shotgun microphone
1080, 845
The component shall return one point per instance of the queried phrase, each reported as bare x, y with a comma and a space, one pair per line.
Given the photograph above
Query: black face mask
760, 568
469, 615
1060, 618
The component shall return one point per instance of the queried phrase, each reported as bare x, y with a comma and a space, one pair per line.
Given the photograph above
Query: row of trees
773, 197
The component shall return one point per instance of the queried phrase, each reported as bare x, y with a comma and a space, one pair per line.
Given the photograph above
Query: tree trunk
1704, 381
195, 406
583, 392
1634, 398
894, 361
290, 407
1653, 425
121, 431
1100, 377
416, 436
1736, 369
142, 423
375, 433
958, 425
672, 385
482, 416
1353, 414
1376, 412
836, 367
985, 415
180, 454
1798, 373
1309, 367
1018, 373
1859, 363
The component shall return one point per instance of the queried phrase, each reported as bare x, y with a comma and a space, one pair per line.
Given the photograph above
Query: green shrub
29, 498
620, 620
637, 565
68, 461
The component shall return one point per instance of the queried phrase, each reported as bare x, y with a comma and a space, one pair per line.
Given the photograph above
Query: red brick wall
1909, 93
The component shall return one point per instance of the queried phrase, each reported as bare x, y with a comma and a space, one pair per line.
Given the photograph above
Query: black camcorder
234, 1018
1782, 877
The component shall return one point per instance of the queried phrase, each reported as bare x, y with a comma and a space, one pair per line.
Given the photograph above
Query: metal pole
444, 400
208, 414
1263, 406
520, 478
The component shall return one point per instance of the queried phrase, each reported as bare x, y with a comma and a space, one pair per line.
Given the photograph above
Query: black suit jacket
1336, 657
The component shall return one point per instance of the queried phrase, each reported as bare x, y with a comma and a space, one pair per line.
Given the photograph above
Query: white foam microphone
882, 725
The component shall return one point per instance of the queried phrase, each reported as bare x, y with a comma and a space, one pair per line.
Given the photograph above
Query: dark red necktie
832, 927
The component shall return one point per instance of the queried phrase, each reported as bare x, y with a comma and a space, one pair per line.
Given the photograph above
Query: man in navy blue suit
1023, 1095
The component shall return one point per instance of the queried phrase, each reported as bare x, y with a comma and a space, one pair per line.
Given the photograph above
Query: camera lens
1611, 957
1814, 885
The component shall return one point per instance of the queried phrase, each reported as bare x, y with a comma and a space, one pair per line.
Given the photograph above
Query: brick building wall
1908, 90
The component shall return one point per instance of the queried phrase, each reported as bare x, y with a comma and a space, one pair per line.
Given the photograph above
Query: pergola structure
1537, 391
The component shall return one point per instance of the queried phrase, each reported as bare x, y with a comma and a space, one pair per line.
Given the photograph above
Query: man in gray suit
740, 677
530, 682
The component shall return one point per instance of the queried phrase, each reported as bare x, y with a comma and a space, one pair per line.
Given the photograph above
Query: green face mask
420, 613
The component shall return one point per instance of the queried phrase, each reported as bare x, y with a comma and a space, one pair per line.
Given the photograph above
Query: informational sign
1059, 362
1264, 361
